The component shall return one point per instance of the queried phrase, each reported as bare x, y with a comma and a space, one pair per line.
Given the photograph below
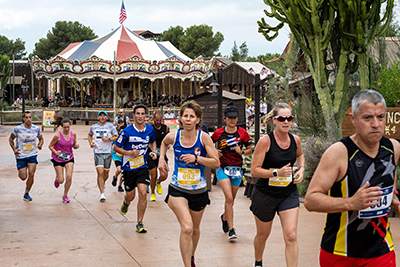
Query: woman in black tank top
276, 190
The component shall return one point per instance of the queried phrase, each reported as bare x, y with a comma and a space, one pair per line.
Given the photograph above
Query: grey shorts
102, 160
264, 206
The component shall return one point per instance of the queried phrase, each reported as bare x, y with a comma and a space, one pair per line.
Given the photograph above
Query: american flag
249, 71
122, 15
264, 70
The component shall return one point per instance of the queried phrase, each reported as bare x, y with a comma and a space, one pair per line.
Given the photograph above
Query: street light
25, 88
214, 85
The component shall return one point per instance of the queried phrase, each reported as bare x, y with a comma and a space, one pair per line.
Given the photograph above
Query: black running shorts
132, 178
265, 207
197, 202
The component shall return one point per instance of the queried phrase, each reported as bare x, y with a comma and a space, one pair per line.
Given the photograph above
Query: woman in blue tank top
275, 190
187, 193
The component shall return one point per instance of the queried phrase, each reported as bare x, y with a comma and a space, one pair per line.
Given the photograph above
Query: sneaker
159, 189
225, 226
27, 197
120, 189
232, 234
102, 197
192, 262
140, 228
153, 197
124, 209
114, 181
56, 183
65, 199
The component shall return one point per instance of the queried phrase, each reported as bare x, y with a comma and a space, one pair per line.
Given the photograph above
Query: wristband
109, 139
301, 167
195, 158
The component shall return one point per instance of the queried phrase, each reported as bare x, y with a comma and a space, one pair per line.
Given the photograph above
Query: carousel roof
126, 43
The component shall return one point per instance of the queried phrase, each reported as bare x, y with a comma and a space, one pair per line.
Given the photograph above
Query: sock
26, 191
258, 263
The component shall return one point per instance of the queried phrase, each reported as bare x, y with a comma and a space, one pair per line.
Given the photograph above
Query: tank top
65, 147
362, 234
275, 158
189, 177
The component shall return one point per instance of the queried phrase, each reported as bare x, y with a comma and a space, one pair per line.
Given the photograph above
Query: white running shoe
102, 197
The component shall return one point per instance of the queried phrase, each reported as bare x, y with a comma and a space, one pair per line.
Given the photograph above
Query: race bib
280, 181
188, 176
137, 162
382, 205
64, 156
28, 148
233, 171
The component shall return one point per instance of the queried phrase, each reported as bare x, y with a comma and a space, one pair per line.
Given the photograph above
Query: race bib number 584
382, 206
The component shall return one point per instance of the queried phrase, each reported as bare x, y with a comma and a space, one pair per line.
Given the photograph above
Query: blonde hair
274, 112
197, 110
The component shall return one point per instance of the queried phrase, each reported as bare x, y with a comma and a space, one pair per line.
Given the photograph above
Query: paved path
85, 232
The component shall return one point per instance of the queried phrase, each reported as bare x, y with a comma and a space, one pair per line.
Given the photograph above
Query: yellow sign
47, 118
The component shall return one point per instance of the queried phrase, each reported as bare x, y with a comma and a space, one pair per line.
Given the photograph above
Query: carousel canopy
126, 43
135, 57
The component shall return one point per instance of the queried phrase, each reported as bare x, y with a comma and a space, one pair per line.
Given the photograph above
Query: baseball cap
231, 111
102, 111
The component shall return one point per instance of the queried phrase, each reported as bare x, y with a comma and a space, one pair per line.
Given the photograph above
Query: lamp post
25, 89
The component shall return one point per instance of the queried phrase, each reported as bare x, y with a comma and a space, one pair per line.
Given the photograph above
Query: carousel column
181, 92
195, 85
115, 86
140, 95
134, 91
81, 93
151, 94
40, 91
33, 88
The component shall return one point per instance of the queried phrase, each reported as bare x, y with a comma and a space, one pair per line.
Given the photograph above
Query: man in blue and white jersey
132, 143
26, 150
100, 137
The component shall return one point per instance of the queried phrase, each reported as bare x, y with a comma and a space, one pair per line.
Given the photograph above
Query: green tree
10, 47
235, 54
60, 36
347, 28
5, 68
173, 34
244, 52
389, 84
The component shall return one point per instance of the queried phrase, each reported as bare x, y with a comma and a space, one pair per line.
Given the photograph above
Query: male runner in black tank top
161, 131
354, 183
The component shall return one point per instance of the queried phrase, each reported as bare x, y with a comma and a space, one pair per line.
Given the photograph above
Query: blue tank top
188, 176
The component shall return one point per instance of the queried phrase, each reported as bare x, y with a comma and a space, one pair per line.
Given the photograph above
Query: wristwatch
275, 173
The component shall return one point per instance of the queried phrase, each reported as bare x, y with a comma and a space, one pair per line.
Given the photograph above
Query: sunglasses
282, 119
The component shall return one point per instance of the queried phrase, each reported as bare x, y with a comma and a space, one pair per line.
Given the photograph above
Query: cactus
348, 27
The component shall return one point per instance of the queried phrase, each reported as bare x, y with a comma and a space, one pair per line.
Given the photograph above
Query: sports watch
275, 173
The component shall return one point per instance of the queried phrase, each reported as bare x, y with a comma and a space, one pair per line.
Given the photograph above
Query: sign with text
392, 128
173, 124
47, 118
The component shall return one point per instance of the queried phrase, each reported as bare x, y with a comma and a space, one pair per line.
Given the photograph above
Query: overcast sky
235, 19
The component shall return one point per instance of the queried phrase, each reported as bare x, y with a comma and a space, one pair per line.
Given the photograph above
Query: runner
62, 156
354, 183
117, 158
161, 130
26, 150
132, 143
230, 140
275, 190
104, 133
187, 193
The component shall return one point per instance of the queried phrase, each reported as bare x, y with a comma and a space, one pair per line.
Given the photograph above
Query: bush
313, 149
3, 105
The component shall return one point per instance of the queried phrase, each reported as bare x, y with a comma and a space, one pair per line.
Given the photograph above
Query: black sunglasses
282, 119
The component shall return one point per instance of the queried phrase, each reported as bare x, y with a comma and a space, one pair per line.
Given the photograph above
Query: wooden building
209, 104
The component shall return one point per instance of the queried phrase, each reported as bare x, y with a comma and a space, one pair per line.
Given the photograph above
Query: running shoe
232, 234
114, 181
124, 208
27, 197
153, 197
225, 226
65, 199
120, 189
140, 228
102, 197
159, 189
56, 183
192, 262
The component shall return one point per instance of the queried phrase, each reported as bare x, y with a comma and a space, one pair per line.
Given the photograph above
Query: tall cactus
346, 26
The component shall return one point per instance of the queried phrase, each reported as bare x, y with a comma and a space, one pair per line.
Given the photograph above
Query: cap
231, 111
102, 111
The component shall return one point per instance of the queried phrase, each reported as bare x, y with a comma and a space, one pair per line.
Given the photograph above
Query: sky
235, 19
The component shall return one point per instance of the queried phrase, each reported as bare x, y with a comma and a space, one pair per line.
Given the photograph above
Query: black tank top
160, 134
276, 158
345, 233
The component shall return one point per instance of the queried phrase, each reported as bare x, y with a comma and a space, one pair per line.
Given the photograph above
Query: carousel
120, 69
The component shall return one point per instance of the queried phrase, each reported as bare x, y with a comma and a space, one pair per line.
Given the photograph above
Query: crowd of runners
354, 182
